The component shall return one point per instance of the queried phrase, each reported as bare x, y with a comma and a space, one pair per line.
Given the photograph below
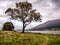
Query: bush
8, 26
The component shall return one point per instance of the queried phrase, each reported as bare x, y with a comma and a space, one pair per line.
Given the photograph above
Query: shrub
8, 26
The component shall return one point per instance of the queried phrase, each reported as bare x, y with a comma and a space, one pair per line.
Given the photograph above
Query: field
18, 38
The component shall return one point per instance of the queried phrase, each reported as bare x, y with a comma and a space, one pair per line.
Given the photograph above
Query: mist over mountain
48, 25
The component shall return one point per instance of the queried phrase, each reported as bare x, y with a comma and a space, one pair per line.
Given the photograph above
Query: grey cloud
56, 3
49, 9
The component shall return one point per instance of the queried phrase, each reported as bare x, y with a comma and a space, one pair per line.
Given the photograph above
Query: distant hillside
48, 25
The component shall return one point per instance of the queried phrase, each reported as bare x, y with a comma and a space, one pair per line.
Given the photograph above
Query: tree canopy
8, 26
24, 13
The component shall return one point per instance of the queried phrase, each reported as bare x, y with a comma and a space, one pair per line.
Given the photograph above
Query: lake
45, 32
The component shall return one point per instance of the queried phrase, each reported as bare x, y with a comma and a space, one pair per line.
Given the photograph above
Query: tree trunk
23, 27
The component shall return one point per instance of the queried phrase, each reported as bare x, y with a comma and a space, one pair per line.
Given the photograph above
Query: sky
49, 9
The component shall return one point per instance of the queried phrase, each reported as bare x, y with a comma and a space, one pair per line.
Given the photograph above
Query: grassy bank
17, 38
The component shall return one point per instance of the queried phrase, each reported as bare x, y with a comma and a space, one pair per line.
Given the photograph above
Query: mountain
48, 25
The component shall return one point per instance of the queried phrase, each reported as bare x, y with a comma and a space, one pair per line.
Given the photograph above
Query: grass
17, 38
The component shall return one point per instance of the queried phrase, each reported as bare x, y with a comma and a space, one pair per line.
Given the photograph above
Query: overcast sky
49, 9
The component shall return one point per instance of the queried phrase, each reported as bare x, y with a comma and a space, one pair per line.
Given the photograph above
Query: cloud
49, 9
56, 2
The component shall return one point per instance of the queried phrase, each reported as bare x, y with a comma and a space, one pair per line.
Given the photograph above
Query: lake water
45, 32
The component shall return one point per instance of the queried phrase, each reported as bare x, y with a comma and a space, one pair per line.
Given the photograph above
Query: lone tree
8, 26
24, 13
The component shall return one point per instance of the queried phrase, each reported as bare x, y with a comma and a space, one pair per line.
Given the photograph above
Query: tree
24, 13
8, 26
